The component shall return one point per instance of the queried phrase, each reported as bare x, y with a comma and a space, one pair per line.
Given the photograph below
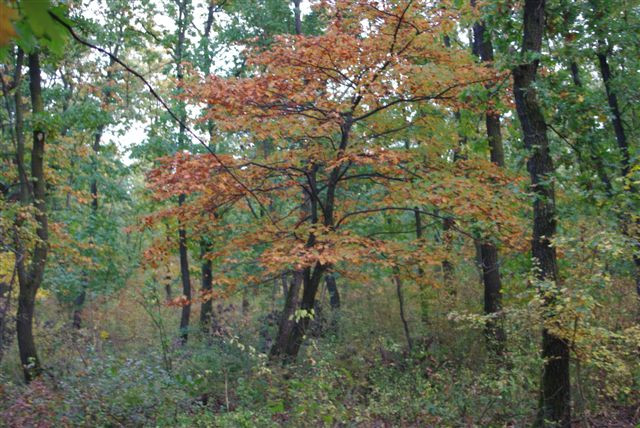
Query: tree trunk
297, 17
186, 280
496, 337
447, 264
403, 318
334, 294
623, 146
30, 280
287, 321
206, 308
424, 300
311, 283
555, 400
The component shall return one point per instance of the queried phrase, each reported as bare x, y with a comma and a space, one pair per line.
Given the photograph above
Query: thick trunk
24, 329
311, 283
494, 331
30, 280
287, 321
555, 400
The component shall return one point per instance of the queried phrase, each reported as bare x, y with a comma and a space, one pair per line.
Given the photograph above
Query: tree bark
30, 279
555, 400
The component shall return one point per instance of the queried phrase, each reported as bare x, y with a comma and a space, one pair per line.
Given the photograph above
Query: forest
320, 213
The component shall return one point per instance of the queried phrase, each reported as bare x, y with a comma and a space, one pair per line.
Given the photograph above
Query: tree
339, 103
30, 276
555, 401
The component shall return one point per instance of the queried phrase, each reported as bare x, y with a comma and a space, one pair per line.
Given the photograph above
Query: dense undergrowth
115, 371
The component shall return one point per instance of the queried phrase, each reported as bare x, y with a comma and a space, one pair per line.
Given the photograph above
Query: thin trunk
78, 303
616, 116
623, 147
206, 308
447, 264
403, 318
30, 280
424, 300
186, 280
555, 399
185, 315
488, 253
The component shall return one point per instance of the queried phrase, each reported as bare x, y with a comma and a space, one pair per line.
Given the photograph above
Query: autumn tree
316, 99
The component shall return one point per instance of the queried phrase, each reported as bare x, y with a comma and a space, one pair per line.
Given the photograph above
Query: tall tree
30, 277
555, 400
490, 265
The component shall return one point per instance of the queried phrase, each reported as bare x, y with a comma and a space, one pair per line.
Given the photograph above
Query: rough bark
555, 399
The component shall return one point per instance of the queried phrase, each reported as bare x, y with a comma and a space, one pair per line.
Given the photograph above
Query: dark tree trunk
424, 300
494, 331
403, 318
623, 147
297, 17
206, 308
555, 400
311, 282
186, 280
332, 288
287, 321
78, 303
31, 278
182, 23
616, 116
447, 264
496, 337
